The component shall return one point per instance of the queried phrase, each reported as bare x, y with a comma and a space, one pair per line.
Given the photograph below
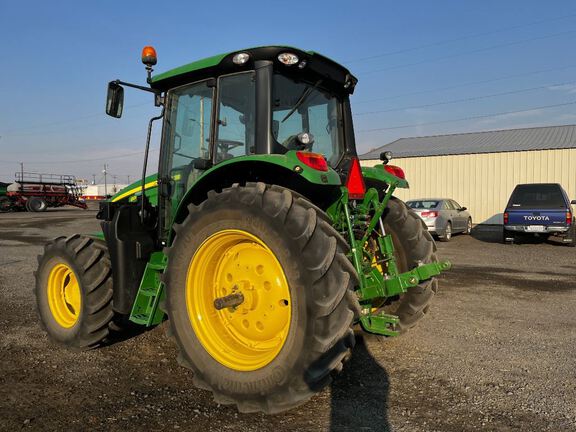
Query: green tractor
261, 239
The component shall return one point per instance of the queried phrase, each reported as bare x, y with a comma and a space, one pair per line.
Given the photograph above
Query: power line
84, 160
468, 99
60, 122
466, 118
466, 84
507, 44
457, 39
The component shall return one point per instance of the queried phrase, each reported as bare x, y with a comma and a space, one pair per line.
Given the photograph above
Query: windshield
301, 107
540, 196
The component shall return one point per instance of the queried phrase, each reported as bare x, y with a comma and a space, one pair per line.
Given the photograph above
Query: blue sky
422, 66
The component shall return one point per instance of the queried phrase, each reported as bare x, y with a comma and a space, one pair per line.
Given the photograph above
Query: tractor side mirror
115, 100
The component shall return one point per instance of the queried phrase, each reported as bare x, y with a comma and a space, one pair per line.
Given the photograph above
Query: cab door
186, 140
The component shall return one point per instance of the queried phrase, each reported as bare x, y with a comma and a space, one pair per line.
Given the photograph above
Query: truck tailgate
537, 217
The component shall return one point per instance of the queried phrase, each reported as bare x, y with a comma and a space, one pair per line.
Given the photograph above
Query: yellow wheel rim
250, 335
64, 296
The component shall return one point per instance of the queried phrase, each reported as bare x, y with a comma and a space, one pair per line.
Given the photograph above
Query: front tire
468, 227
293, 327
74, 291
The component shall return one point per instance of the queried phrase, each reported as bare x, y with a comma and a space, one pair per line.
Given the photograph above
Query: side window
236, 116
187, 135
456, 205
448, 205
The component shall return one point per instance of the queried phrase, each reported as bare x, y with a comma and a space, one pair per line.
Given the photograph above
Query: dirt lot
497, 352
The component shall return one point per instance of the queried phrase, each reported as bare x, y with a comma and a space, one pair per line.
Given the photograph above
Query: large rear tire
413, 245
293, 325
74, 291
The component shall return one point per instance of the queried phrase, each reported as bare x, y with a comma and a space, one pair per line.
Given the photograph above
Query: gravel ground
497, 352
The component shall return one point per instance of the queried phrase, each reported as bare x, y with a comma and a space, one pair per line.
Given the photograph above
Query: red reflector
395, 171
505, 217
313, 160
355, 181
429, 214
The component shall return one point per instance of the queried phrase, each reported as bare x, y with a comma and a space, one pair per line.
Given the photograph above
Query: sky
424, 68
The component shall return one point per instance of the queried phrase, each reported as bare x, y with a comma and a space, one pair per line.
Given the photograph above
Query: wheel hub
238, 300
64, 295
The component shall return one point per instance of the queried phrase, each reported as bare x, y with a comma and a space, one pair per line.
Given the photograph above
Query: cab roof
313, 64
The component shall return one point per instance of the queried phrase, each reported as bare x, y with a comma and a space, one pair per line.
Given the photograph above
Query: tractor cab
254, 102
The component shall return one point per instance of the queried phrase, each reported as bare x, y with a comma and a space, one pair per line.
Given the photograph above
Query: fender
378, 174
284, 170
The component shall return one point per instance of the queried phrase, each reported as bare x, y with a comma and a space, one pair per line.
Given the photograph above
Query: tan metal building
479, 170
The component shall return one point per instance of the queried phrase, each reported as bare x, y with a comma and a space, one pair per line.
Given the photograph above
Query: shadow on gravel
124, 331
493, 234
360, 394
487, 233
463, 276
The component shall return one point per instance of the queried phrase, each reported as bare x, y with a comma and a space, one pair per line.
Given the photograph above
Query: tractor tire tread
331, 279
91, 263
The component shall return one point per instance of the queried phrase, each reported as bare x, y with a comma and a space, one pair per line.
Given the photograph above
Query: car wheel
468, 227
447, 233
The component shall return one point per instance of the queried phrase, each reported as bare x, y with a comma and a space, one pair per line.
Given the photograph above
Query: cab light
149, 57
313, 160
288, 59
355, 181
240, 58
395, 171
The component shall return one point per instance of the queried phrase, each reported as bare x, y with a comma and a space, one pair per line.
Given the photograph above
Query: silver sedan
442, 216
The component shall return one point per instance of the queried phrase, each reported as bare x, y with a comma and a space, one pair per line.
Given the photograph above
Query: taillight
313, 160
429, 214
505, 218
568, 218
355, 181
395, 171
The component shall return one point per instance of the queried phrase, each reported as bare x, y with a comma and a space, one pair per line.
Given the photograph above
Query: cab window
236, 116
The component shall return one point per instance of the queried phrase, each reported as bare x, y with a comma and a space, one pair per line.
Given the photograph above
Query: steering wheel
226, 145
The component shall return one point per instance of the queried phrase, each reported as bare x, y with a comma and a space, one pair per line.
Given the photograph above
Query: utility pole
21, 171
128, 178
104, 171
114, 188
93, 179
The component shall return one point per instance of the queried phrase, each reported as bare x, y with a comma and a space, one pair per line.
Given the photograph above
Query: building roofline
383, 147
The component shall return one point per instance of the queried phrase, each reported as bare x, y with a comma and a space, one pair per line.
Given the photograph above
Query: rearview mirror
463, 208
573, 202
115, 100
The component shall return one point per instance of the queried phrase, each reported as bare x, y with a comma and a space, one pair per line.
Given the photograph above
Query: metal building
480, 170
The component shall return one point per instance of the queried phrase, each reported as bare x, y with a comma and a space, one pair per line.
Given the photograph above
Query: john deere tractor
261, 240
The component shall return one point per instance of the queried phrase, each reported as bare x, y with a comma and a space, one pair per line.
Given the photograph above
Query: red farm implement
36, 192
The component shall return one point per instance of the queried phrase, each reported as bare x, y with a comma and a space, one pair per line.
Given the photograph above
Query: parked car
442, 216
539, 210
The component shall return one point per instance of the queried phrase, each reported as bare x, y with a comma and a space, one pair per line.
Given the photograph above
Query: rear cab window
422, 204
537, 196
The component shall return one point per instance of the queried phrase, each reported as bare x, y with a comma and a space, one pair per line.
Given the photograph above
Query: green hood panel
131, 192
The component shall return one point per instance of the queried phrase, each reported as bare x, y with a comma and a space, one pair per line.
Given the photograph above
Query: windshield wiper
301, 100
